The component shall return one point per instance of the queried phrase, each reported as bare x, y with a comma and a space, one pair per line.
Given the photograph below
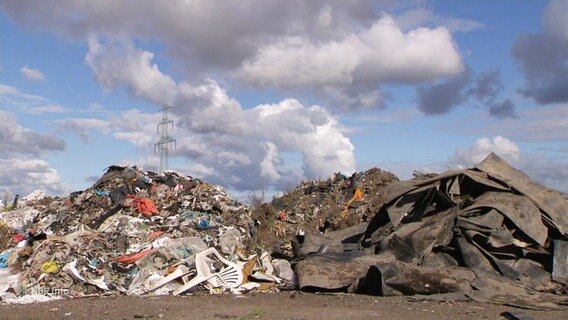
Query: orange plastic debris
356, 197
131, 258
152, 236
145, 206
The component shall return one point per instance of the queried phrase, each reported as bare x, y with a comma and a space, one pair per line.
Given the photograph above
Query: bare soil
286, 305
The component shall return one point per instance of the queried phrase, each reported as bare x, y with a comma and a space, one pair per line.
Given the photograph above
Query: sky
267, 93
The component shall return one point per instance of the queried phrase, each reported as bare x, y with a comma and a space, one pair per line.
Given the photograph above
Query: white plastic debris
230, 240
29, 298
283, 269
16, 219
7, 280
35, 196
71, 269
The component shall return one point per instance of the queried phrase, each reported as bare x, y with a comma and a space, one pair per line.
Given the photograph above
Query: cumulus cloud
20, 169
349, 48
14, 139
137, 72
32, 74
231, 145
250, 140
483, 89
381, 53
180, 25
21, 175
236, 147
501, 146
545, 169
441, 97
542, 57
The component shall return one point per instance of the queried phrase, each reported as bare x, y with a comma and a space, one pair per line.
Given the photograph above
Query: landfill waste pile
133, 232
316, 206
487, 234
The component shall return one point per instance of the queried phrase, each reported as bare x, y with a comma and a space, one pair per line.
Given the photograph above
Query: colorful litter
487, 234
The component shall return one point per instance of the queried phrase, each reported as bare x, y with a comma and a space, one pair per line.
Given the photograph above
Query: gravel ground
285, 305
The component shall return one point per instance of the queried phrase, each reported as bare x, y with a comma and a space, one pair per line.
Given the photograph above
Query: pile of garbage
488, 233
133, 232
321, 206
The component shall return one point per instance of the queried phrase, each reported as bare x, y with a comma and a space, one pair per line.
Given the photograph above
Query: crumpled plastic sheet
463, 231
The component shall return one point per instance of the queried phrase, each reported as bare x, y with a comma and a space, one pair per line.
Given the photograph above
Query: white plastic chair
180, 271
230, 276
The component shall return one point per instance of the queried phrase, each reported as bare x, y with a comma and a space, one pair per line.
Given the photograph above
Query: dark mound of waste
488, 233
321, 206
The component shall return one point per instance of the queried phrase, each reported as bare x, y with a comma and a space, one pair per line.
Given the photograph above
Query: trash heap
488, 233
134, 232
321, 206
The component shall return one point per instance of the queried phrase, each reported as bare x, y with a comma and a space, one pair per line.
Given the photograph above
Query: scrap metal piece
560, 262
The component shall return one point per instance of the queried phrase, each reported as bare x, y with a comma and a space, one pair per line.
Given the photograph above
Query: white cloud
268, 165
296, 62
544, 169
8, 90
227, 132
379, 54
116, 64
238, 147
503, 147
423, 17
32, 74
554, 18
240, 27
15, 139
21, 171
22, 175
350, 46
14, 99
43, 109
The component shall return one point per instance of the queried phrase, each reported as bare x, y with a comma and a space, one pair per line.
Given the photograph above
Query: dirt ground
287, 305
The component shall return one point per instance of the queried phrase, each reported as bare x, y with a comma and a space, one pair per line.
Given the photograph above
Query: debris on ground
133, 232
487, 233
321, 206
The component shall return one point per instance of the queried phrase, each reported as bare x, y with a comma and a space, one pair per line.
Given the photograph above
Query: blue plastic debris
4, 259
203, 224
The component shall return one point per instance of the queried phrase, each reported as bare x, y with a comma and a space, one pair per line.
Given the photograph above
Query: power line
166, 142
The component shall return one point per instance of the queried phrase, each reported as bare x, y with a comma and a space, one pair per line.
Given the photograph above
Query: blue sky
265, 95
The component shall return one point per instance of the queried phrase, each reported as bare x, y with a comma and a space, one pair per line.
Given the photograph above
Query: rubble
130, 230
321, 207
486, 233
